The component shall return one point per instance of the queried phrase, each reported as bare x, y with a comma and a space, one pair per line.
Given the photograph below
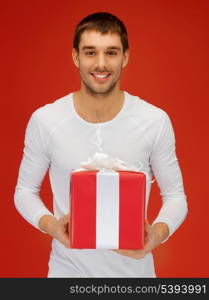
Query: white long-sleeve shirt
58, 139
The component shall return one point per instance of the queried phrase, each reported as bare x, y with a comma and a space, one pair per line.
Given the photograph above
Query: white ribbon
107, 210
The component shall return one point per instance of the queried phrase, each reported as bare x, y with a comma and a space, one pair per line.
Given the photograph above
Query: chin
99, 90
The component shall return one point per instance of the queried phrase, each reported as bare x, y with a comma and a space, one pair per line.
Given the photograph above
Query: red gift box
107, 209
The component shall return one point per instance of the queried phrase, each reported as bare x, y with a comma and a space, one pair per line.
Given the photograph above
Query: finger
147, 226
135, 254
64, 220
141, 255
66, 243
63, 228
64, 237
147, 222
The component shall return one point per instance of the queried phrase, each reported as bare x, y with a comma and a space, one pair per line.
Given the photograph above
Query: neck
100, 107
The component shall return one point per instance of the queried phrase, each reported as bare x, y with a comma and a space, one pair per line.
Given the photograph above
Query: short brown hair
102, 22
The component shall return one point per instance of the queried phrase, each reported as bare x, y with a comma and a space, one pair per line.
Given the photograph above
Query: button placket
99, 139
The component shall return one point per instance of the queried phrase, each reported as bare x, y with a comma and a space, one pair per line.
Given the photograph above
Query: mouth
101, 77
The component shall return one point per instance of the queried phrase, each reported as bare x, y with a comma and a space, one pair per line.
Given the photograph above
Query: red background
169, 67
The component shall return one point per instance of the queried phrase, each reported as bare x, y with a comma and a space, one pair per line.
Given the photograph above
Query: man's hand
56, 229
154, 235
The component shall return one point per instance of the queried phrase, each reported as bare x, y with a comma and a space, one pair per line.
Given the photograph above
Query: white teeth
100, 76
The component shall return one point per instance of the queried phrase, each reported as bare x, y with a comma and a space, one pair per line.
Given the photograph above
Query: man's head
100, 51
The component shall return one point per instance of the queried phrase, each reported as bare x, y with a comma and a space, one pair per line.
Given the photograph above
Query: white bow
103, 162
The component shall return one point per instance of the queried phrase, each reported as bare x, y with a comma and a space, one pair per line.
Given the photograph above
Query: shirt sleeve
168, 175
33, 167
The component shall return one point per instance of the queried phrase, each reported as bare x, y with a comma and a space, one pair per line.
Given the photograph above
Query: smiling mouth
101, 77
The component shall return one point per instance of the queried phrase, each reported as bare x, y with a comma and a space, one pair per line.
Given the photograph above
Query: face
100, 60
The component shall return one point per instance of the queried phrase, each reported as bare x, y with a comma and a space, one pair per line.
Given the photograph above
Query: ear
125, 58
75, 57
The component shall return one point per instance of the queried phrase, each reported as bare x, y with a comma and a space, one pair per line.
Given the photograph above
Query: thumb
147, 225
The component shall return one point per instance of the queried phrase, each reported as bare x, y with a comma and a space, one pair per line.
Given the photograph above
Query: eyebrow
109, 48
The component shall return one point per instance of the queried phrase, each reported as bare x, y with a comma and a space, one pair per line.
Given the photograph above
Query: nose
101, 61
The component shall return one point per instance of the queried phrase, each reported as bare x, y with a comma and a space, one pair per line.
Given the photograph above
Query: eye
112, 53
90, 53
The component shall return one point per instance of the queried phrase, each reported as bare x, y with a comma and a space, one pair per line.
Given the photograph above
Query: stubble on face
95, 92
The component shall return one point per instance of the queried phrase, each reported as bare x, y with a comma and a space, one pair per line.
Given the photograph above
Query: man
98, 117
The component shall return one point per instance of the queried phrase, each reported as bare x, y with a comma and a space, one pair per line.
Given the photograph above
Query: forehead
98, 40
